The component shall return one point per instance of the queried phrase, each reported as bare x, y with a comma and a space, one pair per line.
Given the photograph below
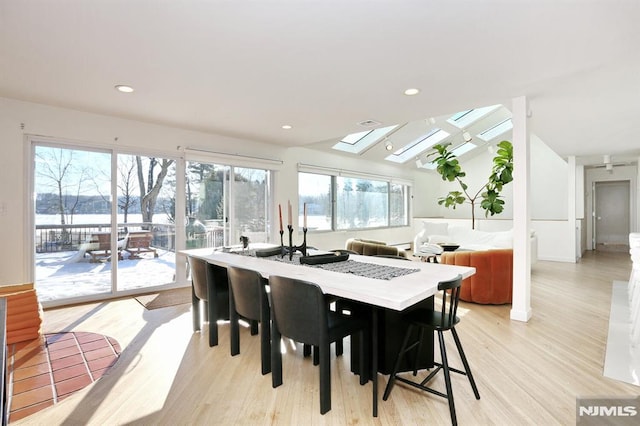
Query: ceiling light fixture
412, 91
388, 145
124, 88
287, 127
466, 136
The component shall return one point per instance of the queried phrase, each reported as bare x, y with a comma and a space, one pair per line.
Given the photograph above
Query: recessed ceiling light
411, 92
388, 146
124, 88
287, 127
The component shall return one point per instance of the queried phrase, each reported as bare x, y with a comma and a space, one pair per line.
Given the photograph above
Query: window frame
334, 175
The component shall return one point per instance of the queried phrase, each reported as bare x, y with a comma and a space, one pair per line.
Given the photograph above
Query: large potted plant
449, 168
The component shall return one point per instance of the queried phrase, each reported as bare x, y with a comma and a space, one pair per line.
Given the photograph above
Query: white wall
426, 191
18, 119
549, 185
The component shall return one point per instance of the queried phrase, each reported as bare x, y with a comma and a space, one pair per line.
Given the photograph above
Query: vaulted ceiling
246, 68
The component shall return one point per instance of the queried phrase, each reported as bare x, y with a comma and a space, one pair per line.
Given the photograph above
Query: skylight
497, 130
356, 143
418, 146
463, 149
428, 165
466, 118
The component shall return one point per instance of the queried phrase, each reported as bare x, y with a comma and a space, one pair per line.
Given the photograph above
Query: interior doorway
612, 215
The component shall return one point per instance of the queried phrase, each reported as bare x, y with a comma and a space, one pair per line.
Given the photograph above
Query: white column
521, 305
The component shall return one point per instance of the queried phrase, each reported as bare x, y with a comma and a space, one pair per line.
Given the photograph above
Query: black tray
319, 259
268, 252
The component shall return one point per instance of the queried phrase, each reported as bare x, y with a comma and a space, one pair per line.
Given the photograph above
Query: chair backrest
248, 291
198, 276
450, 298
298, 309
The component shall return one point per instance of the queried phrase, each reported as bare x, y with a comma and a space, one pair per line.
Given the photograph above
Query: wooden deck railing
53, 238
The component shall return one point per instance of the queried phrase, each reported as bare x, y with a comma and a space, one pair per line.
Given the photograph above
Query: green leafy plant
449, 168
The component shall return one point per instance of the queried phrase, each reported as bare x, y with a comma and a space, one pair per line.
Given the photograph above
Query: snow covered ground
63, 275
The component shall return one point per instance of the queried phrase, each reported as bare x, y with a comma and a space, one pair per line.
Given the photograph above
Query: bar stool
426, 320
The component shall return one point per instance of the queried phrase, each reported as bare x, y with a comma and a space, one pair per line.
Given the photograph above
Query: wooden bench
102, 247
139, 242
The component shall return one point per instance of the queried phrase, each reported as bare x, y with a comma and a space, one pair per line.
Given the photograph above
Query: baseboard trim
523, 316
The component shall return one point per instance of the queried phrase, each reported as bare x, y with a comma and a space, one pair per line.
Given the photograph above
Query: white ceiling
244, 68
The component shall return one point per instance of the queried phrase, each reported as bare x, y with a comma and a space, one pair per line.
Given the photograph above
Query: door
206, 189
224, 203
88, 246
612, 216
72, 217
146, 193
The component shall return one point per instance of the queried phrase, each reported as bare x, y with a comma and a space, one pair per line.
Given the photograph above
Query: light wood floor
526, 373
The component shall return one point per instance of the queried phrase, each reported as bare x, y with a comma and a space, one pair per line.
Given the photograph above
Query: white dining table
397, 294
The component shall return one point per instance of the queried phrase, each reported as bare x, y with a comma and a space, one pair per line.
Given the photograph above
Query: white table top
398, 293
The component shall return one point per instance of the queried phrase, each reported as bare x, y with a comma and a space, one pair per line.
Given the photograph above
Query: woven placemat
162, 299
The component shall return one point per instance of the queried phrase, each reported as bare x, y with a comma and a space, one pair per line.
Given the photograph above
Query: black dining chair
439, 321
209, 284
248, 299
299, 311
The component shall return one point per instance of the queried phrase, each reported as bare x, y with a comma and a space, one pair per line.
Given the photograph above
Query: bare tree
57, 169
54, 166
126, 185
150, 189
75, 201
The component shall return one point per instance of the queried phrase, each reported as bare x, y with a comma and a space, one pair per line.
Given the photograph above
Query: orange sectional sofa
493, 281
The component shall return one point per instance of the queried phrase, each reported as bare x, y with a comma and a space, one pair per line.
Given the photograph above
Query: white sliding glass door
72, 207
88, 246
224, 203
146, 194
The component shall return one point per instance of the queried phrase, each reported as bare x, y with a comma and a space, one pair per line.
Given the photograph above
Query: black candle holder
303, 247
292, 249
281, 243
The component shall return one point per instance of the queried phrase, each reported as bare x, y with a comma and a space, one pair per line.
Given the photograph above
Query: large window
110, 223
224, 203
98, 233
361, 203
398, 202
315, 191
340, 202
